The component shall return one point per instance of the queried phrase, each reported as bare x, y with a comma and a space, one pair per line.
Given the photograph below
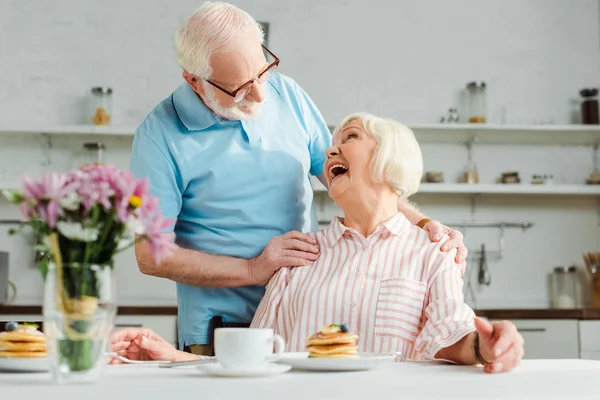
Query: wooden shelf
501, 189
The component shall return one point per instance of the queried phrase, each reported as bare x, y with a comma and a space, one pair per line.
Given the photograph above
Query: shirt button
354, 305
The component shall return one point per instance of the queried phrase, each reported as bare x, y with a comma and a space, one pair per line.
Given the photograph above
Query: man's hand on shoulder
294, 249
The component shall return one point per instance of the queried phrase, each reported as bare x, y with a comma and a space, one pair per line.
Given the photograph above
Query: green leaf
36, 326
14, 196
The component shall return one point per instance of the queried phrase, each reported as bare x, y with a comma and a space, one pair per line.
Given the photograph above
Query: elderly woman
377, 273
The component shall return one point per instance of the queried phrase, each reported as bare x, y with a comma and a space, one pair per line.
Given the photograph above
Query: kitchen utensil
592, 263
484, 276
206, 360
14, 364
364, 361
245, 348
217, 369
128, 361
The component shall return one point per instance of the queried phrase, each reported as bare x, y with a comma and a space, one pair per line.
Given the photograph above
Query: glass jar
470, 174
564, 294
476, 102
94, 152
589, 106
101, 107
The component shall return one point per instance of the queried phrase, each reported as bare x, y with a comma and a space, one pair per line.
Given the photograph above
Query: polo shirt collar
192, 112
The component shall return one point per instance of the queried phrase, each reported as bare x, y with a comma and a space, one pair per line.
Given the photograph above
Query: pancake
320, 338
344, 348
333, 341
22, 335
335, 356
23, 354
22, 346
22, 341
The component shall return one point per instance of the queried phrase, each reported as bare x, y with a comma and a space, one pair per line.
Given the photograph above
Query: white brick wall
404, 59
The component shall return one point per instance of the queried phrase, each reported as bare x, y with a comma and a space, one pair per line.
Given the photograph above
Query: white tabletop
533, 379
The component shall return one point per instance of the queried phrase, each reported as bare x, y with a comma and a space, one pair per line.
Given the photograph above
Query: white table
533, 379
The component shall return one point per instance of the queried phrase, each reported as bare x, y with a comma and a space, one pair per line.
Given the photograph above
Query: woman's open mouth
337, 170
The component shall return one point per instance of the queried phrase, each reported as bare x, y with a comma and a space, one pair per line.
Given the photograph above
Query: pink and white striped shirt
395, 289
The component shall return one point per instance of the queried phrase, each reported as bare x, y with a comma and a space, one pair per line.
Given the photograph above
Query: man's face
230, 70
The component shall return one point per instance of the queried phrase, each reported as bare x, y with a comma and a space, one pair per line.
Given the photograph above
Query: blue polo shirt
231, 185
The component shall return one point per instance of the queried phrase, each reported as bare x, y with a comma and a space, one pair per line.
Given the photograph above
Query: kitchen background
409, 60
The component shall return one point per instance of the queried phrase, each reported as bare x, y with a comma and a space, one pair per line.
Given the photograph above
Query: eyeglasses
240, 93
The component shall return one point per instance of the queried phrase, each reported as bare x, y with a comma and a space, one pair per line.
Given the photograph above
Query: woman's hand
500, 345
141, 344
436, 230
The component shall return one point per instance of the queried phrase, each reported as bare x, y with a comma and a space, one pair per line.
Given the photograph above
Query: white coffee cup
247, 348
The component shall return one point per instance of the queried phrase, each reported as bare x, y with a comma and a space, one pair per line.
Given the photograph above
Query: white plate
364, 362
270, 369
14, 364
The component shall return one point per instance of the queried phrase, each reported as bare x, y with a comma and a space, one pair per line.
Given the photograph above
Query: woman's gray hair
397, 159
211, 28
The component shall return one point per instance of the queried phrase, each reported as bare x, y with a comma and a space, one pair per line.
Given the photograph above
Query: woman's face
348, 165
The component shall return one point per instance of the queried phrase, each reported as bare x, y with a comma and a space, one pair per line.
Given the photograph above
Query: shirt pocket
400, 308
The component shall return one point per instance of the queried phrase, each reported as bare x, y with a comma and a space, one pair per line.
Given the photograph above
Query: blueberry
344, 328
11, 326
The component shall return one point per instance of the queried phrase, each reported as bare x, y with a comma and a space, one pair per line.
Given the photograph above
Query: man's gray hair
210, 29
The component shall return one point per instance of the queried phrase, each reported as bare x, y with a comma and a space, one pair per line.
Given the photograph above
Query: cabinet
549, 339
589, 339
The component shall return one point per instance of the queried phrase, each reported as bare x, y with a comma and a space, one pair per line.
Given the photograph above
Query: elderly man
229, 153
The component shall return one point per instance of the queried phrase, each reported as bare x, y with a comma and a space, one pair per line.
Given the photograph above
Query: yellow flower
135, 201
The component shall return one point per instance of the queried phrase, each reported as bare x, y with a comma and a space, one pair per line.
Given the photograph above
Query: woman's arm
448, 319
266, 315
453, 333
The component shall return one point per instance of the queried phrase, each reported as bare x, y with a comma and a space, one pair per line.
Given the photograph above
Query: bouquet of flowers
83, 218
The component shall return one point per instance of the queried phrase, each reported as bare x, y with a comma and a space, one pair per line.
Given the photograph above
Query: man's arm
410, 212
191, 267
195, 268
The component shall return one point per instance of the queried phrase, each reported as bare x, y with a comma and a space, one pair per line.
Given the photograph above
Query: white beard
251, 110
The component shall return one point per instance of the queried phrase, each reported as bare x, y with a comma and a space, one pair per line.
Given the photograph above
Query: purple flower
43, 196
70, 197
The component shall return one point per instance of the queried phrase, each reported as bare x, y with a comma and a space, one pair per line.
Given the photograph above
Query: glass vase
79, 312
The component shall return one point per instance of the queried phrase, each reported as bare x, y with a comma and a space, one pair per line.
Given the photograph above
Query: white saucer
14, 364
364, 362
269, 370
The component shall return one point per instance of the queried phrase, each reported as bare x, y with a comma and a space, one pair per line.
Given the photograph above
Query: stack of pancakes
23, 342
333, 342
